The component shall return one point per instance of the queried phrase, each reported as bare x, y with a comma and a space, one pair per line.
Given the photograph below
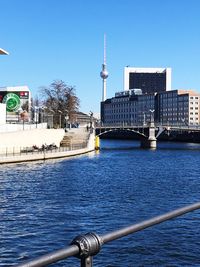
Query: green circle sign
12, 102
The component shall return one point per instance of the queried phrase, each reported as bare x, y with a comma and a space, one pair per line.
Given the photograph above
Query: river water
44, 205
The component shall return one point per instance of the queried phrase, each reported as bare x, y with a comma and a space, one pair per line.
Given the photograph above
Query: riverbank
23, 151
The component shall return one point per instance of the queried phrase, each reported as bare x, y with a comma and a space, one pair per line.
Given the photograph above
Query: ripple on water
44, 205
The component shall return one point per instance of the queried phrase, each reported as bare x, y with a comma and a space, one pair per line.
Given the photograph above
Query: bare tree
61, 98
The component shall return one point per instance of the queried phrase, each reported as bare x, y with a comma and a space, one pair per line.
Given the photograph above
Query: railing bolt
89, 245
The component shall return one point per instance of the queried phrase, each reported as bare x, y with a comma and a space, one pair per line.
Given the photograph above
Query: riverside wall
45, 155
18, 140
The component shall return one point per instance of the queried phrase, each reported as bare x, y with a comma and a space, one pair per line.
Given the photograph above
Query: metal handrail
88, 245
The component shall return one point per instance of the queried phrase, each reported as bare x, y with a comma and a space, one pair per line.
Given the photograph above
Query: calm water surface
44, 205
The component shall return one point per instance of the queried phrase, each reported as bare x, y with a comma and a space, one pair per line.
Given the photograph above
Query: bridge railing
157, 125
86, 246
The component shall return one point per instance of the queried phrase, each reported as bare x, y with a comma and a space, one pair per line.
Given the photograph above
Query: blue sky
63, 39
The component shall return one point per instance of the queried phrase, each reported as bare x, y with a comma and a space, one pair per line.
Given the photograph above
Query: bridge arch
146, 134
107, 131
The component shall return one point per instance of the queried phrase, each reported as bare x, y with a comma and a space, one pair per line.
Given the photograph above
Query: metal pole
87, 262
88, 245
52, 257
145, 224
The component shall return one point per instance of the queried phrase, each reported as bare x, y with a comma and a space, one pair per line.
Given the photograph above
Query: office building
128, 107
149, 80
174, 107
179, 106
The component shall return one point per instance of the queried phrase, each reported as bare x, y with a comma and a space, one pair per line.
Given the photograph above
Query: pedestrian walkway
75, 136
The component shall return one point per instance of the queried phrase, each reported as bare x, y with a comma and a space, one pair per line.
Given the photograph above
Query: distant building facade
148, 91
169, 107
17, 100
128, 107
182, 106
149, 80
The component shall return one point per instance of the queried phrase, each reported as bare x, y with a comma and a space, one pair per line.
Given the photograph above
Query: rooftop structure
149, 80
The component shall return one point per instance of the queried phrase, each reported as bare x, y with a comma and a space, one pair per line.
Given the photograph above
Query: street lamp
152, 115
60, 117
36, 108
144, 118
91, 118
66, 122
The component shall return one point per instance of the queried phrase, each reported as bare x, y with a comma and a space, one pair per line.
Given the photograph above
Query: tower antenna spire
104, 72
104, 58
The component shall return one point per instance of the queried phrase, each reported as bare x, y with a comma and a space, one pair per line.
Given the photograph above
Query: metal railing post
89, 245
86, 246
87, 262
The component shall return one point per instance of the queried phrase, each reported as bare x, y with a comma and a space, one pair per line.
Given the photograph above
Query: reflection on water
132, 144
44, 205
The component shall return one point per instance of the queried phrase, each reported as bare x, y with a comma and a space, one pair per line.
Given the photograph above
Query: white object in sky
3, 52
104, 72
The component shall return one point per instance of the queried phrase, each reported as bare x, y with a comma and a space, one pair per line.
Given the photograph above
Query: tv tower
104, 72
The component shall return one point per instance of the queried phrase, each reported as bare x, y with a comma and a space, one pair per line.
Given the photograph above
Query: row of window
194, 108
192, 103
194, 97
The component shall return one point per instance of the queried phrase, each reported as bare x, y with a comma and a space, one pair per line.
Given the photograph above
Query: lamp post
144, 119
66, 122
60, 117
91, 118
152, 115
36, 108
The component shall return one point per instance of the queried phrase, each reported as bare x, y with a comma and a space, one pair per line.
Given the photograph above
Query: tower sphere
104, 74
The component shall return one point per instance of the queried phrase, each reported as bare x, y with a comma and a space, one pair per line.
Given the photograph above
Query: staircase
74, 136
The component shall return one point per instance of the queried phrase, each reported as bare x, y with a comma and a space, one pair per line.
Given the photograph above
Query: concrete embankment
15, 155
22, 139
